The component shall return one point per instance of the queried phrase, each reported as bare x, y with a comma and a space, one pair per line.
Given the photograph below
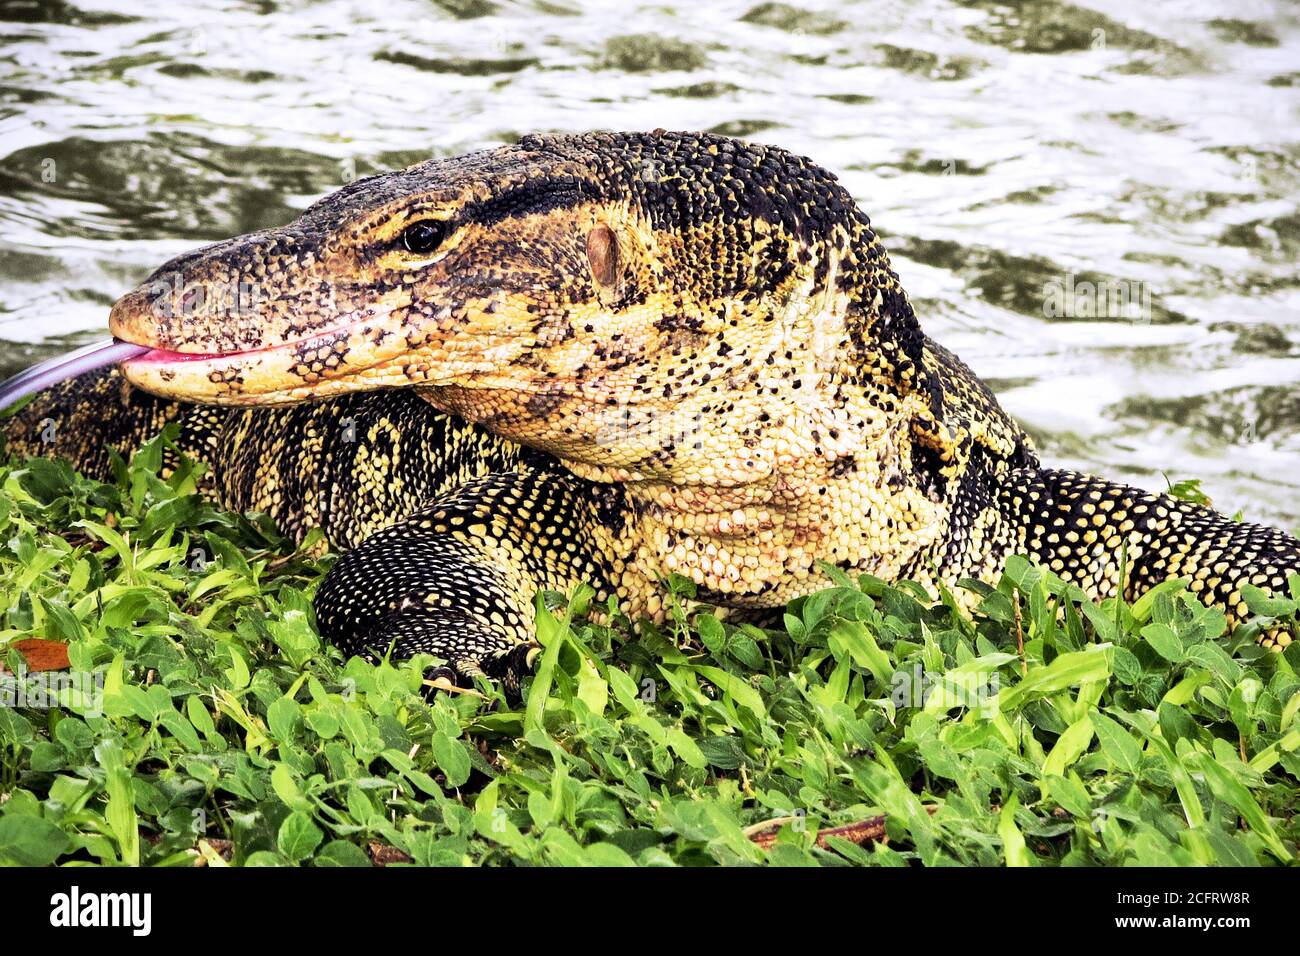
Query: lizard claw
509, 667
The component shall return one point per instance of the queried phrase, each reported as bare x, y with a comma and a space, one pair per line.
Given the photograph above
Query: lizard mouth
339, 358
165, 355
99, 355
286, 371
154, 354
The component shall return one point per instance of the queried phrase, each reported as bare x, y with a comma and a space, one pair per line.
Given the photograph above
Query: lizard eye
425, 236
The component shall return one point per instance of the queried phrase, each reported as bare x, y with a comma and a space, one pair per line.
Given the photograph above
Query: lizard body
605, 358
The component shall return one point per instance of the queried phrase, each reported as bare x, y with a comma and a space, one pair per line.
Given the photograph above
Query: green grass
1117, 734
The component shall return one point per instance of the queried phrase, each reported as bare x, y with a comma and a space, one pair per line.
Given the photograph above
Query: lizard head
605, 297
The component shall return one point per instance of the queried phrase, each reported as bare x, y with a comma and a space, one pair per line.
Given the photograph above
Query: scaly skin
605, 358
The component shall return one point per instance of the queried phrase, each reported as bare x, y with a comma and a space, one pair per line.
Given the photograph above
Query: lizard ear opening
605, 259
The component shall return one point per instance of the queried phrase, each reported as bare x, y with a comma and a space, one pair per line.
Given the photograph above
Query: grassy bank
879, 726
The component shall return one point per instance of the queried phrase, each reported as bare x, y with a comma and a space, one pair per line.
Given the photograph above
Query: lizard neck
796, 446
833, 482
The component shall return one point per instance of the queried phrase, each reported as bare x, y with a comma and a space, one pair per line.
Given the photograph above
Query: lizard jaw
358, 353
273, 374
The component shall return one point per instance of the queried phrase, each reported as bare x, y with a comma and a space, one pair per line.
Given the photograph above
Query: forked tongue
63, 367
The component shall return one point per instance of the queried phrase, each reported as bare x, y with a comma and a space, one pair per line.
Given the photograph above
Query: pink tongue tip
63, 367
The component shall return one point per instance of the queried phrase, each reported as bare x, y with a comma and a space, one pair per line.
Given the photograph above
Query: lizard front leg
457, 578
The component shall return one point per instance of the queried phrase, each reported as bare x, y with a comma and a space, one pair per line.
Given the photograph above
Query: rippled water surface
1006, 152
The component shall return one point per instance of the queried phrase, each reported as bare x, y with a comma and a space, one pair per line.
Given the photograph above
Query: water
1004, 151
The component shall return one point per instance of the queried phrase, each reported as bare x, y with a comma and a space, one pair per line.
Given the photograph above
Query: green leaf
1126, 666
1014, 849
286, 788
1265, 604
854, 638
341, 853
1164, 641
120, 811
1070, 794
298, 836
199, 717
686, 748
1117, 744
282, 718
1068, 748
592, 689
451, 758
607, 854
1231, 791
740, 690
1144, 606
1067, 670
30, 841
551, 634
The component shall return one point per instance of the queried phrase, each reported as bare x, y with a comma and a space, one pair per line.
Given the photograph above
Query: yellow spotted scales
604, 358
